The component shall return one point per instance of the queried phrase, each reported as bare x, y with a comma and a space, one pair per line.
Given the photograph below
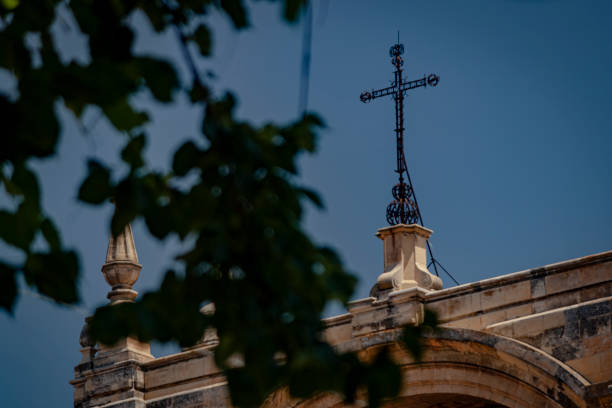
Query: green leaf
412, 335
411, 339
159, 222
430, 320
14, 56
384, 378
123, 215
29, 137
236, 11
10, 4
10, 187
240, 219
19, 228
203, 38
199, 92
171, 313
312, 196
156, 15
123, 116
8, 287
96, 188
132, 152
293, 9
110, 323
54, 274
185, 158
51, 234
27, 181
160, 77
115, 42
302, 134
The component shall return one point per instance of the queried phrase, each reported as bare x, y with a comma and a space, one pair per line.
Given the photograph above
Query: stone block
505, 295
597, 273
338, 334
493, 317
556, 301
595, 292
519, 311
529, 325
180, 371
598, 344
472, 323
463, 305
538, 287
386, 316
563, 281
595, 368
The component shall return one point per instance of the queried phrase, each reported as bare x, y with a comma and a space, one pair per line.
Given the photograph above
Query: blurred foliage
250, 257
412, 336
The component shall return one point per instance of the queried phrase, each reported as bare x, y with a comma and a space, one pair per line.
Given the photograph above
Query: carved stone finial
405, 260
121, 269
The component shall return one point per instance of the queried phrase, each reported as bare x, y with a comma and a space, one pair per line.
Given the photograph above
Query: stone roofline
562, 309
471, 287
547, 328
526, 274
362, 325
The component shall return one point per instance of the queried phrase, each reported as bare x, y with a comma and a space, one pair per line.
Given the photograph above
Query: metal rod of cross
404, 208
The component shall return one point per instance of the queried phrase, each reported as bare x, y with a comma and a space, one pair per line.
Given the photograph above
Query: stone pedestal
112, 376
125, 349
405, 260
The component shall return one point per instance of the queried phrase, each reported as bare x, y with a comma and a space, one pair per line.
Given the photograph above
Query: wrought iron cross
404, 208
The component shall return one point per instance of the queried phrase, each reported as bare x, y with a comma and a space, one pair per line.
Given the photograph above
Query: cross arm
431, 80
407, 85
367, 96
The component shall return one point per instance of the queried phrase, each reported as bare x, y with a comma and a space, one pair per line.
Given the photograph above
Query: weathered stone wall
562, 309
536, 338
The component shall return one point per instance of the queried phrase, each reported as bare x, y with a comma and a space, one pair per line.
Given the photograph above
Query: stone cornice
525, 275
411, 228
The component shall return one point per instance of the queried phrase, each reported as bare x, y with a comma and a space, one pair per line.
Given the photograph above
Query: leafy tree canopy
241, 216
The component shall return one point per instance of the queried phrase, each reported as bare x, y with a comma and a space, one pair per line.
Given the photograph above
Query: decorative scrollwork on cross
403, 209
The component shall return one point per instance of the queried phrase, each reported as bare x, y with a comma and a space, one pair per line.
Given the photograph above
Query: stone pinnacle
121, 269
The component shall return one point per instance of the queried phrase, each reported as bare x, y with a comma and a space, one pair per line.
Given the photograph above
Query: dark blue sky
509, 155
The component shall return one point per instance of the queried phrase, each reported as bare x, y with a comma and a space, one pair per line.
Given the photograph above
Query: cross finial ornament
403, 209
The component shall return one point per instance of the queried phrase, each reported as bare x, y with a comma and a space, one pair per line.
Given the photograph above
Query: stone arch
495, 368
464, 368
